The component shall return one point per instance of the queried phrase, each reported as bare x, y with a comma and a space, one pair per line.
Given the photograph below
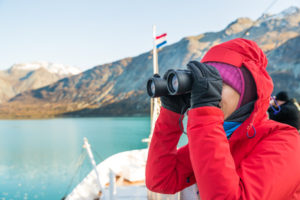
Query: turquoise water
39, 158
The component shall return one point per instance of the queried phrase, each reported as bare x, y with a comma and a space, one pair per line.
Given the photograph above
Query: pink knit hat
236, 78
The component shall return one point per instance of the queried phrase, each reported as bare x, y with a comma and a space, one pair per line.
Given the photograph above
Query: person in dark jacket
284, 110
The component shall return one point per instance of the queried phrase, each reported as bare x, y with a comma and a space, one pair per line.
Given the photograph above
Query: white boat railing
87, 146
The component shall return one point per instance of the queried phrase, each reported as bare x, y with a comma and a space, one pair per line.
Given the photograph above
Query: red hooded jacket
261, 160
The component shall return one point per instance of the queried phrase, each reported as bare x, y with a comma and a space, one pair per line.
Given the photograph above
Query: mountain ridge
118, 88
27, 76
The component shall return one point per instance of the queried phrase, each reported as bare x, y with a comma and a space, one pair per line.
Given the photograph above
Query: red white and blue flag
160, 40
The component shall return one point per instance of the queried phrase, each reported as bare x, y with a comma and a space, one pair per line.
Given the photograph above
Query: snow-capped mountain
55, 68
32, 75
284, 14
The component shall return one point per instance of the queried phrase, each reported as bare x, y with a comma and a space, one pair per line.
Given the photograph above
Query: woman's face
230, 100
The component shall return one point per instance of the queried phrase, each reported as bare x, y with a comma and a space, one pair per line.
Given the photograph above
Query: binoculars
178, 82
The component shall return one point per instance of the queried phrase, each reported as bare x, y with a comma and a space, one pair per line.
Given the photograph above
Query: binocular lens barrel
172, 83
157, 87
179, 82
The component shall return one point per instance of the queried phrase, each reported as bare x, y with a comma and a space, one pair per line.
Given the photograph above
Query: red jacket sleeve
270, 171
168, 170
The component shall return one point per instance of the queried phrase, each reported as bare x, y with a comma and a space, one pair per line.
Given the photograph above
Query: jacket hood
242, 52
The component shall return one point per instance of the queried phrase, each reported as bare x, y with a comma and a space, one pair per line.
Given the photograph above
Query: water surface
39, 159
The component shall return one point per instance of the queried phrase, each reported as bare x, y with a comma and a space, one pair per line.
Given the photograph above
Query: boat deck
134, 192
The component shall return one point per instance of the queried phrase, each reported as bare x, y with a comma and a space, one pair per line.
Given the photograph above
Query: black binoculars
178, 82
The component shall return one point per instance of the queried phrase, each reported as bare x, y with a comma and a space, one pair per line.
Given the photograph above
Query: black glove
207, 85
175, 103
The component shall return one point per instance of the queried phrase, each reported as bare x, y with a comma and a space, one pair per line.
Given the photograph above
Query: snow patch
285, 13
51, 67
290, 11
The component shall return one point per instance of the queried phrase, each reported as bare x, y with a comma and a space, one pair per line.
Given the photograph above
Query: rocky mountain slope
118, 88
284, 67
27, 76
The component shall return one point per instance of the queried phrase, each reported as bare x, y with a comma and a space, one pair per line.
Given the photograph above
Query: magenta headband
232, 76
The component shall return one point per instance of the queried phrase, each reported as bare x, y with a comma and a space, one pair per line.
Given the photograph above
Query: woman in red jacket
234, 150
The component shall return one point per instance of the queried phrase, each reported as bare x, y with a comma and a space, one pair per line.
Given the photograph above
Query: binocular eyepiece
177, 82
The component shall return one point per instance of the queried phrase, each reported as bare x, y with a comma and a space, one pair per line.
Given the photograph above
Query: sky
92, 32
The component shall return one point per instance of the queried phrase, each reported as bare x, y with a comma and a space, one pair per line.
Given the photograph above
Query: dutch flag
161, 40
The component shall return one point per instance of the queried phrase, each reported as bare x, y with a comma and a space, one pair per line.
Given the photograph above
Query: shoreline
37, 117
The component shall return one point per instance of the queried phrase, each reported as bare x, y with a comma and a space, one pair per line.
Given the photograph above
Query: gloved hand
207, 85
175, 103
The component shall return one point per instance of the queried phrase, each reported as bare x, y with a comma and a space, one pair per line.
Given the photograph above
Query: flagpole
155, 63
155, 71
155, 105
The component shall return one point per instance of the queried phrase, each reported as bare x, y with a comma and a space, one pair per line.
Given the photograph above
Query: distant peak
51, 67
293, 10
241, 20
290, 11
238, 25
